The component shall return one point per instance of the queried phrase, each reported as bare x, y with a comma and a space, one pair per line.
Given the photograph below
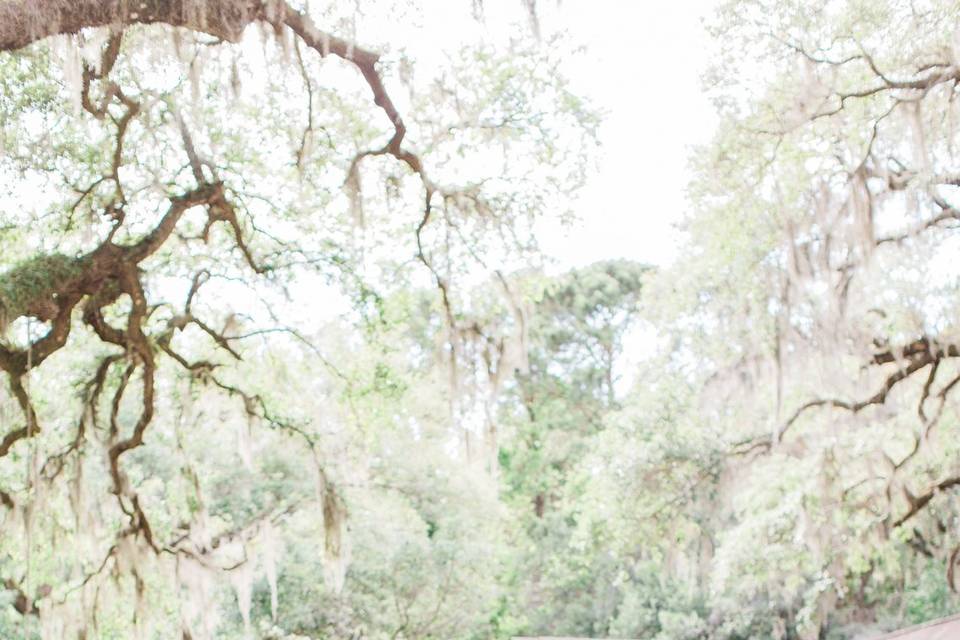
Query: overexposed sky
643, 65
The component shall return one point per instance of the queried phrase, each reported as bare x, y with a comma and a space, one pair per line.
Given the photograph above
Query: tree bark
23, 22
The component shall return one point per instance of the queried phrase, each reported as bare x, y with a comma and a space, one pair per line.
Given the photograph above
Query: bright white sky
643, 65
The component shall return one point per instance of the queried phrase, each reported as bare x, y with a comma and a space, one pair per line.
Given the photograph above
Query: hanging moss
28, 288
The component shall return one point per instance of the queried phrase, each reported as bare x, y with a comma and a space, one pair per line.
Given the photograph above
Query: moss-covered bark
30, 288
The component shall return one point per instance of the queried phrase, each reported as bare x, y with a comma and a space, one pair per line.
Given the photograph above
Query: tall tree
172, 184
816, 307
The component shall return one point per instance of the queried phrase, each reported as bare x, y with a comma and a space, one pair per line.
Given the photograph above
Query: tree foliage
282, 359
192, 183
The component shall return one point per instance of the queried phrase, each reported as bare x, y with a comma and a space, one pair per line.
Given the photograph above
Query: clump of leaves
29, 287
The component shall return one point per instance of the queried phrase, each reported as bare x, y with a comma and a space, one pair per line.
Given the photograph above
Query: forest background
294, 344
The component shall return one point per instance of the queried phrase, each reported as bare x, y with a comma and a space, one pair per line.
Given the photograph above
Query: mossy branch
30, 287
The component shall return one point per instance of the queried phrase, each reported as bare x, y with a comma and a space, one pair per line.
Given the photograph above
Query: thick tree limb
911, 358
856, 406
23, 22
917, 503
